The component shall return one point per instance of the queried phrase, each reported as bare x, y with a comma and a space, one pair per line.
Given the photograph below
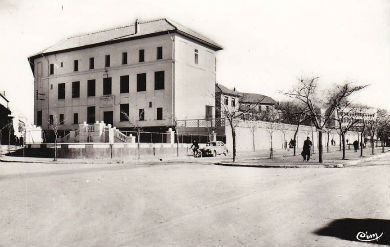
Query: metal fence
201, 123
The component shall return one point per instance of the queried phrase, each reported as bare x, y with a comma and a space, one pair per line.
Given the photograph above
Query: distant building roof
128, 32
224, 90
256, 98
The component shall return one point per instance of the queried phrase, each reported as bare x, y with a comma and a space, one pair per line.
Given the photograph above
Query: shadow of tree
348, 229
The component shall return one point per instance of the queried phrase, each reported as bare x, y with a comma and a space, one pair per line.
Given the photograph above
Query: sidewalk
284, 159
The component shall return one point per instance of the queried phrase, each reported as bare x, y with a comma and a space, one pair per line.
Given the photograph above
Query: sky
268, 44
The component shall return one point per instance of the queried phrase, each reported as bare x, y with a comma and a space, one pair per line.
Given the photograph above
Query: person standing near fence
307, 144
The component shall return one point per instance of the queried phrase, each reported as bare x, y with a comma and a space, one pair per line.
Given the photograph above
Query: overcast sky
267, 44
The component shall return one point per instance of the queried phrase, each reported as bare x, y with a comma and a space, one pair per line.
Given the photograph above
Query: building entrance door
108, 118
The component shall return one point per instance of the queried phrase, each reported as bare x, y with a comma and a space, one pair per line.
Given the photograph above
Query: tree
54, 125
307, 92
272, 125
345, 120
383, 129
138, 129
294, 113
234, 115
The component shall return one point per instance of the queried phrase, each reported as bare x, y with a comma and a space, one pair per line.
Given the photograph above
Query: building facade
253, 106
6, 128
144, 75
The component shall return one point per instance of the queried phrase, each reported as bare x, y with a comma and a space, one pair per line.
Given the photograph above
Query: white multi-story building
155, 72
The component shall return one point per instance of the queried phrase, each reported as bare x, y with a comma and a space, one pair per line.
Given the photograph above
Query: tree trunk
361, 144
55, 148
327, 143
343, 143
295, 140
383, 146
320, 146
271, 153
234, 143
138, 140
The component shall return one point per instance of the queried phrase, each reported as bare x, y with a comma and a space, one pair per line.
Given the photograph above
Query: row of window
226, 101
107, 115
159, 84
107, 60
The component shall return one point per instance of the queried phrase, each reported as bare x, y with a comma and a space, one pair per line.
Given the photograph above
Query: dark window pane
141, 114
108, 117
159, 52
124, 58
91, 87
141, 82
91, 63
159, 80
75, 89
61, 91
61, 118
141, 56
196, 56
76, 65
107, 61
159, 113
51, 119
39, 118
51, 69
91, 114
107, 86
124, 112
124, 84
75, 118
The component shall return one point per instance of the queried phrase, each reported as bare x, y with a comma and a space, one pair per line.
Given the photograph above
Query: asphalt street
192, 204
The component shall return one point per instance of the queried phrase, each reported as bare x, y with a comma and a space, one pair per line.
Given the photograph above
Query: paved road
190, 204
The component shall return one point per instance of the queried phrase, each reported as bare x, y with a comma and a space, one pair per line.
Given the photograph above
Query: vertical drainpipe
173, 77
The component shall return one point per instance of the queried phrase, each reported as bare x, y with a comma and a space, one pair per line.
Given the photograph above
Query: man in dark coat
355, 145
307, 144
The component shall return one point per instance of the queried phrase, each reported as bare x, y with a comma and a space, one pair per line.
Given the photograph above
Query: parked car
214, 149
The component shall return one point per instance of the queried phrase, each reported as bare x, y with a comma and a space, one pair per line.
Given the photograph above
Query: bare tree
344, 120
307, 93
272, 125
234, 115
54, 124
293, 113
134, 125
383, 128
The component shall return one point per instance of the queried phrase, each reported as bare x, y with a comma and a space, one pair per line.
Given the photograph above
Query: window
51, 86
159, 113
141, 114
91, 114
76, 65
267, 108
141, 55
107, 61
39, 118
150, 104
159, 52
61, 91
91, 87
75, 118
209, 112
158, 80
196, 56
62, 64
141, 82
51, 119
107, 86
51, 69
124, 84
233, 102
76, 89
226, 100
124, 112
124, 58
91, 63
61, 118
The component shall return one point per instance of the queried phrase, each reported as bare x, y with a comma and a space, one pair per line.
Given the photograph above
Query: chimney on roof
234, 89
136, 26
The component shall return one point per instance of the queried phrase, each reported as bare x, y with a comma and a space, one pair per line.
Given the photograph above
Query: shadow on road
375, 231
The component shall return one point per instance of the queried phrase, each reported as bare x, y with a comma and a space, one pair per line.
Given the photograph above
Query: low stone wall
107, 151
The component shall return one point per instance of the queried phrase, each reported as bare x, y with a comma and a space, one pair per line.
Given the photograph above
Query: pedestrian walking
307, 144
355, 145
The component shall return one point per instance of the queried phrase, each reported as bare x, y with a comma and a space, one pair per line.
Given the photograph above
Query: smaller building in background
253, 106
